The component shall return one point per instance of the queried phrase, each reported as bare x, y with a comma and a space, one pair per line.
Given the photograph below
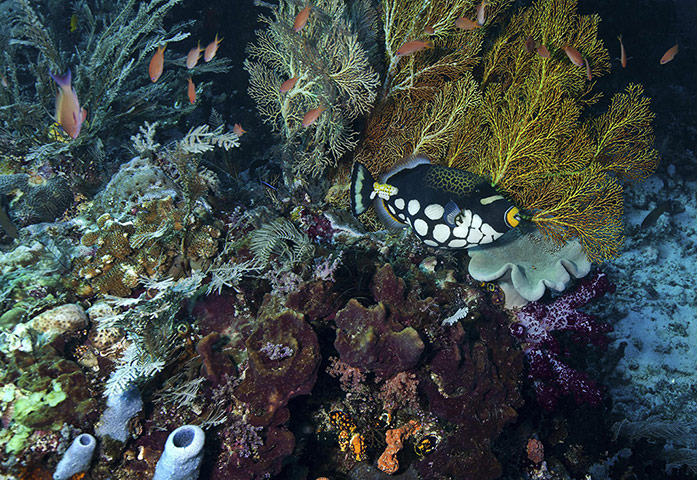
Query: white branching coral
332, 72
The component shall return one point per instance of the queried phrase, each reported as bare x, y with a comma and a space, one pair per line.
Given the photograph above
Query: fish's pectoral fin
450, 211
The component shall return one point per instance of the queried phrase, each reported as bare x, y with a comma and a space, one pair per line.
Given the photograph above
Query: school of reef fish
171, 308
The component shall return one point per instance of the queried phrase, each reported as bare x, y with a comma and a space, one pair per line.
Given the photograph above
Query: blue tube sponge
77, 457
181, 459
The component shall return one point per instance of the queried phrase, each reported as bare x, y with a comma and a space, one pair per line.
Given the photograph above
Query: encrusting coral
160, 240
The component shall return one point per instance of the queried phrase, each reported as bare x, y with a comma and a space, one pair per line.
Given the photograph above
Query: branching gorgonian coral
332, 72
108, 55
535, 145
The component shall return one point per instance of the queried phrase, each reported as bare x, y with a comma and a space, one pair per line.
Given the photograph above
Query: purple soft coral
536, 322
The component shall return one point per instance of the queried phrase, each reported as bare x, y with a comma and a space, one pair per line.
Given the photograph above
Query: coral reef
535, 324
35, 199
162, 240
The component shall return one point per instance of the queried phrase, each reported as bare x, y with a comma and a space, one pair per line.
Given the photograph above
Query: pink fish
670, 54
311, 116
193, 56
191, 91
69, 115
414, 46
157, 63
301, 18
238, 130
288, 85
481, 12
574, 55
211, 49
465, 23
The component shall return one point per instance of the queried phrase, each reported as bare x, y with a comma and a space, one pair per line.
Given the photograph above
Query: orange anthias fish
589, 74
193, 56
238, 130
211, 49
301, 18
192, 91
543, 52
623, 52
311, 116
529, 44
481, 12
465, 23
288, 84
670, 54
156, 63
414, 46
574, 55
68, 112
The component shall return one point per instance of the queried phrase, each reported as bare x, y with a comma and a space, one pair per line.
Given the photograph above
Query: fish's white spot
476, 221
421, 227
434, 211
391, 209
491, 199
414, 206
457, 243
399, 203
430, 243
400, 216
475, 236
461, 231
441, 232
489, 230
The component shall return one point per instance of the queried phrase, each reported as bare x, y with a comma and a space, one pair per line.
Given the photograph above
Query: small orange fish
414, 46
481, 12
3, 81
156, 63
193, 56
429, 30
311, 116
192, 91
238, 130
623, 53
589, 74
68, 112
288, 84
670, 54
211, 49
574, 55
543, 52
301, 18
465, 23
529, 44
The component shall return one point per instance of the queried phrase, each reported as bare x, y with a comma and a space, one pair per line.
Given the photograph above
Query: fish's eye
183, 328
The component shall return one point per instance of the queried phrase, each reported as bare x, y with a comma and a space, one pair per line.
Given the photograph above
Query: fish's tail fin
62, 80
361, 188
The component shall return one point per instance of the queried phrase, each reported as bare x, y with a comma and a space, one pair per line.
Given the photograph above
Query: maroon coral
473, 384
269, 383
366, 338
552, 378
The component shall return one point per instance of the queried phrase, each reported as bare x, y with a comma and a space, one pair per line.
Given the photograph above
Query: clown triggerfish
446, 207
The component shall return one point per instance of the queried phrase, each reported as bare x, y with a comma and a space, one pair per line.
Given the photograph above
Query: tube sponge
77, 457
181, 459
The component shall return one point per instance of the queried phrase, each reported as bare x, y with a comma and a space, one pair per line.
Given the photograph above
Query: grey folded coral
525, 264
